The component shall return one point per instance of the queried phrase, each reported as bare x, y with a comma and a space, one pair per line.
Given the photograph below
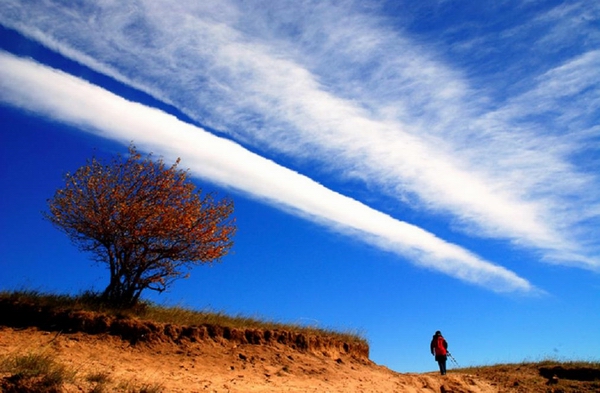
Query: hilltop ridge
23, 313
100, 352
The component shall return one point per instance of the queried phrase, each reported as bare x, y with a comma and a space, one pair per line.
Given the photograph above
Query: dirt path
210, 366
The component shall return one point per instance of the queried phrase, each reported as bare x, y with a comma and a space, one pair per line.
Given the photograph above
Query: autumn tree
145, 220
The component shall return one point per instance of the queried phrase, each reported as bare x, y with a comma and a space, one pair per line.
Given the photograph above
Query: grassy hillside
147, 322
147, 311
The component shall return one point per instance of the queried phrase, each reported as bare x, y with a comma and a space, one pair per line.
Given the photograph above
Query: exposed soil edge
23, 315
574, 374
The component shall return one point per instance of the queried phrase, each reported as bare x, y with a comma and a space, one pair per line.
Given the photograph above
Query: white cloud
324, 82
59, 96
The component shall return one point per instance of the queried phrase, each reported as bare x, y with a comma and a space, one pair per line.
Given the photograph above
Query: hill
46, 348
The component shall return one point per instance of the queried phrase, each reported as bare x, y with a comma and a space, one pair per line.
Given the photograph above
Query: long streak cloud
33, 87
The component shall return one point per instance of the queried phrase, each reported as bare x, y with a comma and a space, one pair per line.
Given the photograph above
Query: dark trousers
441, 359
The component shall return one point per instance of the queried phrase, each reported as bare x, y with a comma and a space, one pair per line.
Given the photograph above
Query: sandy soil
219, 366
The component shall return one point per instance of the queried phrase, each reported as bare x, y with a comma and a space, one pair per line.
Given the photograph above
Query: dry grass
36, 372
43, 373
543, 376
89, 301
546, 363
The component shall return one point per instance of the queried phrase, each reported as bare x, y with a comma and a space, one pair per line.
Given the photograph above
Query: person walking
439, 349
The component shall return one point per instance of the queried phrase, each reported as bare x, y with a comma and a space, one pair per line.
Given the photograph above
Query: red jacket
439, 346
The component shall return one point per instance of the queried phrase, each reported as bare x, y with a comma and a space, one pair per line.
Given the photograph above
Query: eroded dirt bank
136, 331
218, 366
123, 353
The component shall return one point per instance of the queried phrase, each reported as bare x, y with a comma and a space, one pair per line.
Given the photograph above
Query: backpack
440, 348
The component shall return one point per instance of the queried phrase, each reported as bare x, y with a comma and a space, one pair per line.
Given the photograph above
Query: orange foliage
145, 220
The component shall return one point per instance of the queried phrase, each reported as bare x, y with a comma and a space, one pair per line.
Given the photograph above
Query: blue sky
397, 168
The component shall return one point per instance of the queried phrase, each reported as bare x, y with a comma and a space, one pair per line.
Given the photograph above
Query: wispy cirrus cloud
61, 97
339, 85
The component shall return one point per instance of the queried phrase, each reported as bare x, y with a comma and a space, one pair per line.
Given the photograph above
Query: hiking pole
453, 360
